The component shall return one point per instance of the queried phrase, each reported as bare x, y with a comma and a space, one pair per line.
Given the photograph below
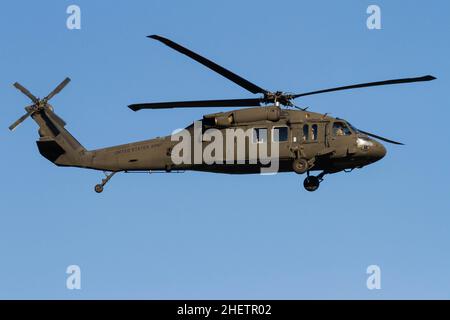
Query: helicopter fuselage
261, 139
330, 144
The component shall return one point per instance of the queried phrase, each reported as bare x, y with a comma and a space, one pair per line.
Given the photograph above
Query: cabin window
305, 132
314, 132
341, 129
259, 135
280, 134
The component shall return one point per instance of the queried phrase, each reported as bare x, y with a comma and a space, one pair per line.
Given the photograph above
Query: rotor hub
278, 97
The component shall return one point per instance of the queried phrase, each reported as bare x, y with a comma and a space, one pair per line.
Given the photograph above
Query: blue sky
206, 236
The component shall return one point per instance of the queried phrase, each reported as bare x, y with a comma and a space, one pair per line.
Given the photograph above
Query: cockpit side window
341, 129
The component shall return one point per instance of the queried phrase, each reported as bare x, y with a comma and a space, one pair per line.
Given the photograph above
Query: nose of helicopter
377, 152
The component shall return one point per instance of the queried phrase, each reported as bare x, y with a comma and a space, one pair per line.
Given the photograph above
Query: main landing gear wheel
300, 165
311, 183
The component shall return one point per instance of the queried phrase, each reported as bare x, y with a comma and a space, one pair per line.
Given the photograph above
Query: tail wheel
300, 165
311, 183
98, 188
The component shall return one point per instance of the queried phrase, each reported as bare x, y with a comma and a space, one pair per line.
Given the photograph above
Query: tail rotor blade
381, 138
20, 120
26, 92
57, 89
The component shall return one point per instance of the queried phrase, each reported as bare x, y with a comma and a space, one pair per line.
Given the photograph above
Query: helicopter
306, 141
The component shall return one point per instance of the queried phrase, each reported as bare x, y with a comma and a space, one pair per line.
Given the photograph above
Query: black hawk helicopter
307, 141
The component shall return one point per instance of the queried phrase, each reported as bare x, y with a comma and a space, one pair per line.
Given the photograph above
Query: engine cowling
226, 119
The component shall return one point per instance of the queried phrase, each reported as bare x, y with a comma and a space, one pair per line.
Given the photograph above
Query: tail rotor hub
38, 104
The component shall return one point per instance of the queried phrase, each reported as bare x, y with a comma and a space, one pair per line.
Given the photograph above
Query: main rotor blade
381, 138
26, 92
197, 104
20, 120
253, 88
57, 89
370, 84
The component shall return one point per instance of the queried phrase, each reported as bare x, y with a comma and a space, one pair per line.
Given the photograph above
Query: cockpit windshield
352, 127
341, 129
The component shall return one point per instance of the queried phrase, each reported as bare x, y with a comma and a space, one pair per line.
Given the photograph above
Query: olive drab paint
272, 135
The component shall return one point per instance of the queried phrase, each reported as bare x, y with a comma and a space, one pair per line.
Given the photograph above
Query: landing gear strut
312, 183
99, 187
